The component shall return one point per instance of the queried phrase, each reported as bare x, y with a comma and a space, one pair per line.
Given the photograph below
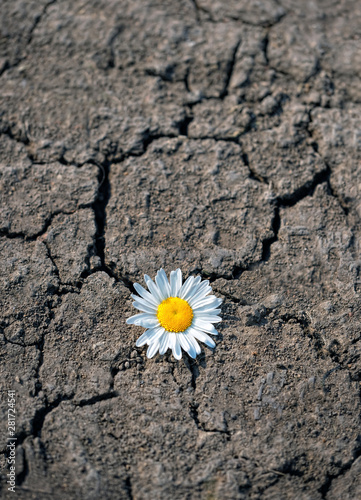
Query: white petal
137, 319
162, 283
203, 337
175, 282
207, 318
143, 338
194, 288
183, 343
157, 335
187, 285
141, 307
207, 314
163, 343
199, 290
150, 336
195, 344
153, 288
145, 320
211, 301
187, 344
206, 310
146, 295
150, 323
152, 349
177, 352
202, 292
145, 302
204, 326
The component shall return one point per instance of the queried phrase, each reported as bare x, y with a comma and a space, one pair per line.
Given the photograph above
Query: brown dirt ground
223, 138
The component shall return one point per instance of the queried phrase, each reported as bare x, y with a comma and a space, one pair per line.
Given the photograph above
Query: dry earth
220, 137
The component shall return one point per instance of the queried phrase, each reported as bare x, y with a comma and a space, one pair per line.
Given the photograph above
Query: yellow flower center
175, 314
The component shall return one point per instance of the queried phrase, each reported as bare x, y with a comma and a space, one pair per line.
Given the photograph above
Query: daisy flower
176, 315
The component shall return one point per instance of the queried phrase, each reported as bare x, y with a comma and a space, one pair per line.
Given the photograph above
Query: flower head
176, 315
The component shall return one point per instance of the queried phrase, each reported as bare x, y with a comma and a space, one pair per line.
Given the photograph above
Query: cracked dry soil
220, 137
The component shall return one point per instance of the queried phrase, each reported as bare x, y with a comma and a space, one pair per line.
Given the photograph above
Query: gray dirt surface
223, 138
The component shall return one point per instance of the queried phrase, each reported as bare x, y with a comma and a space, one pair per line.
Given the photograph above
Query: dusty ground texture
220, 137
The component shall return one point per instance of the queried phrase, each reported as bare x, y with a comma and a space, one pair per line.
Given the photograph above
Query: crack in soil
229, 70
129, 488
28, 39
37, 20
99, 208
194, 405
46, 225
252, 173
291, 200
285, 201
199, 9
315, 147
38, 420
96, 399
